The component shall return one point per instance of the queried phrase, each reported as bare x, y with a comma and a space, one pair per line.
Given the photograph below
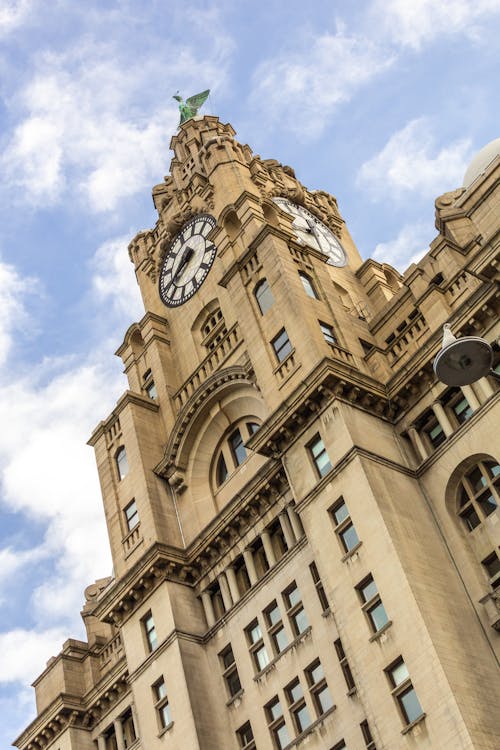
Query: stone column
233, 584
442, 418
417, 443
120, 742
484, 386
295, 522
470, 396
268, 548
250, 565
101, 742
206, 600
287, 529
224, 589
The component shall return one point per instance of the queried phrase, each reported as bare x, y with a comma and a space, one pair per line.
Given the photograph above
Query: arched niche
231, 223
270, 214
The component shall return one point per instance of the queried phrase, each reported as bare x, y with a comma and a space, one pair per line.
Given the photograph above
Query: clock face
311, 231
188, 261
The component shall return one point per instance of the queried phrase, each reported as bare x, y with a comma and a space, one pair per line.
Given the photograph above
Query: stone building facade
303, 521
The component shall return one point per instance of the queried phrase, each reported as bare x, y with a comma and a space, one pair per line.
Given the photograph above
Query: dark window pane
487, 502
470, 517
222, 471
228, 658
237, 447
476, 478
233, 683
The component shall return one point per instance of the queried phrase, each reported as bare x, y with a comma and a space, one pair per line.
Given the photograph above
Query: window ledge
381, 631
235, 697
413, 724
352, 692
166, 729
294, 644
327, 612
351, 552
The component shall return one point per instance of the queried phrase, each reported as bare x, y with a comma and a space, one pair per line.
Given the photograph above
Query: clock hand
186, 257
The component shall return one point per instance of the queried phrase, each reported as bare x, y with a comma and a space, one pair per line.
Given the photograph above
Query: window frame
468, 502
328, 333
345, 666
257, 646
128, 518
151, 641
273, 628
266, 294
321, 470
121, 463
318, 688
343, 526
367, 735
293, 610
287, 344
245, 744
371, 603
161, 704
320, 589
401, 689
276, 723
230, 670
308, 285
297, 706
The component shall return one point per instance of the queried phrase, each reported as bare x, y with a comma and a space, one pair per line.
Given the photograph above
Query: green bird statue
190, 107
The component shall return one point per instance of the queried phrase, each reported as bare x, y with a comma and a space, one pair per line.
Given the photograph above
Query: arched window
308, 285
121, 462
264, 296
232, 452
479, 493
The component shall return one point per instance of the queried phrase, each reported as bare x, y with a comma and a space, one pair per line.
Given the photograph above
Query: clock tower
280, 483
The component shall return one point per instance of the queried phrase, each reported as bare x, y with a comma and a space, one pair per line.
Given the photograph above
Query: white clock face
311, 231
188, 261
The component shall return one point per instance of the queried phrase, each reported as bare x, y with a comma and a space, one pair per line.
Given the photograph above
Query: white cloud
408, 247
415, 23
25, 653
14, 315
13, 13
91, 124
114, 281
411, 161
301, 91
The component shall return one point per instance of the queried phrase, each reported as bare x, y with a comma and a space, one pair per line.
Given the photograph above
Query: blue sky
380, 102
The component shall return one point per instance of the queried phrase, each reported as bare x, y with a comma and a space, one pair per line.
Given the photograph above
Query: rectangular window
276, 723
319, 456
403, 691
161, 704
318, 688
319, 587
148, 625
367, 735
151, 390
295, 610
257, 648
372, 604
131, 515
344, 527
245, 737
128, 727
328, 333
339, 746
455, 400
344, 664
275, 628
281, 345
297, 705
230, 673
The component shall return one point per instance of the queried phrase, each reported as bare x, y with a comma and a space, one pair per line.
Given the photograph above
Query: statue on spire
190, 107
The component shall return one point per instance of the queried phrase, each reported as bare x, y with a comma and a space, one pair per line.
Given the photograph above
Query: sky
382, 103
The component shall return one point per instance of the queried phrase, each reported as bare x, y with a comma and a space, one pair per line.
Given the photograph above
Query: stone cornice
129, 397
328, 380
